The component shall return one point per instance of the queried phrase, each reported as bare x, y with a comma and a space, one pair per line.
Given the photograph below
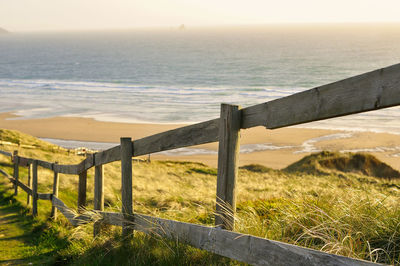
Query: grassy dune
340, 203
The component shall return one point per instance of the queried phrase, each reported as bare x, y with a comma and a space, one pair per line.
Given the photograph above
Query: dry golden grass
345, 213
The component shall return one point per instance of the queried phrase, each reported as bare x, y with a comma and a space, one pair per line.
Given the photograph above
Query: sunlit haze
28, 15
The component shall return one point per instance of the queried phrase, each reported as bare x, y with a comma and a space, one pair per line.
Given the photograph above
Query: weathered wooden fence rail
370, 91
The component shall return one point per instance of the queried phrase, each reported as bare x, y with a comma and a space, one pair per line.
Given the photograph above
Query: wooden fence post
98, 195
53, 213
34, 188
228, 154
16, 171
82, 186
126, 183
28, 198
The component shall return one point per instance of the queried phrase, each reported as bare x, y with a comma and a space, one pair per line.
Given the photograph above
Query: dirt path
12, 236
17, 231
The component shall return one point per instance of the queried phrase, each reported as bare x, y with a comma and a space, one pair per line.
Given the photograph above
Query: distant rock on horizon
3, 31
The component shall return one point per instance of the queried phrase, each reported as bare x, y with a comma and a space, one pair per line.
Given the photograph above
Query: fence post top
14, 156
125, 140
232, 105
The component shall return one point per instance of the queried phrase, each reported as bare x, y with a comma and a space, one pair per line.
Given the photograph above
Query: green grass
24, 238
328, 201
40, 241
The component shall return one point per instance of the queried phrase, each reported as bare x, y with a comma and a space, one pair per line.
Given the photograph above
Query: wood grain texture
24, 187
196, 134
66, 169
103, 157
56, 179
80, 167
67, 212
45, 164
44, 196
98, 188
34, 188
82, 188
126, 183
98, 203
72, 169
29, 185
73, 218
16, 171
228, 156
241, 247
112, 218
89, 161
370, 91
107, 156
5, 153
22, 161
86, 164
12, 180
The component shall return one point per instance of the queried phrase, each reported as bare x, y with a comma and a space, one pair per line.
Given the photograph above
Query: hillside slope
333, 202
331, 162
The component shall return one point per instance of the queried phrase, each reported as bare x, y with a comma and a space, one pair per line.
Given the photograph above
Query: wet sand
276, 148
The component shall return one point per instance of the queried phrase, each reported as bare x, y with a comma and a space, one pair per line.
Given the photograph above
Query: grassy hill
340, 203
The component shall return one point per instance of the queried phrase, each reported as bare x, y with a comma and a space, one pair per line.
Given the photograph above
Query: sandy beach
273, 148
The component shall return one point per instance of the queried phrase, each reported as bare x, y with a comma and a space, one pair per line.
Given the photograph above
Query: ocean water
171, 76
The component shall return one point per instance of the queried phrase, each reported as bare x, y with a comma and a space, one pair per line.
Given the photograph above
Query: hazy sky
28, 15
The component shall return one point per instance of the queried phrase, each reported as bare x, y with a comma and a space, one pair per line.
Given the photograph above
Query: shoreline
273, 148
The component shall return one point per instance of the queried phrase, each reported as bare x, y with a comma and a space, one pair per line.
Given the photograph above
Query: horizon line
216, 26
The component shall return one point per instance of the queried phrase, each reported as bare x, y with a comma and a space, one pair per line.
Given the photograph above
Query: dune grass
323, 202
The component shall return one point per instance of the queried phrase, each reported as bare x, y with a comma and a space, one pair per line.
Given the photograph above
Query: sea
168, 75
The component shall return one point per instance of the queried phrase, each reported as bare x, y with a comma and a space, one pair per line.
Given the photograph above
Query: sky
39, 15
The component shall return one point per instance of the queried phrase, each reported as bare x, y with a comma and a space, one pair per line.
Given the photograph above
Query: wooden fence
370, 91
